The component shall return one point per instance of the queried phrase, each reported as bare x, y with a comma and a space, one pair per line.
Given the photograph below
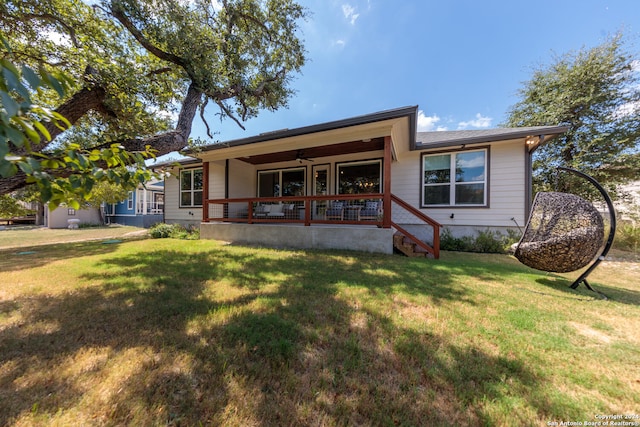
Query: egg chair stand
565, 232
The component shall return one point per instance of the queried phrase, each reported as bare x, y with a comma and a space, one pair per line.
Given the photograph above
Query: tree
145, 68
106, 192
10, 207
22, 124
596, 93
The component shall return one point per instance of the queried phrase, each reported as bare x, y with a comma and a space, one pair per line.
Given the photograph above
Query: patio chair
565, 233
335, 211
275, 211
371, 211
261, 211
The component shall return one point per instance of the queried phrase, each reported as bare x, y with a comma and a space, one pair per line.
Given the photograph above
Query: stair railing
404, 210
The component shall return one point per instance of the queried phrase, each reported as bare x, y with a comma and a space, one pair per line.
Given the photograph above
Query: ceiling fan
300, 157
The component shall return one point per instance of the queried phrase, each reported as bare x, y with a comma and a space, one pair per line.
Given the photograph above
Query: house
142, 207
368, 183
63, 216
628, 207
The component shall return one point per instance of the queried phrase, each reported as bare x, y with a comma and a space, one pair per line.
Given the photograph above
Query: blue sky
461, 61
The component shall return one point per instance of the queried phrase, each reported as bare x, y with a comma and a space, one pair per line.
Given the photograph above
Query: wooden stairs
408, 247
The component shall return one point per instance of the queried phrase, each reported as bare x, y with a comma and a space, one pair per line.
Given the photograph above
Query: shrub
174, 231
486, 241
627, 236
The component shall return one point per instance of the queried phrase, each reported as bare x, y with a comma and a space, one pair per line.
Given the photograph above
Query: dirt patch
591, 333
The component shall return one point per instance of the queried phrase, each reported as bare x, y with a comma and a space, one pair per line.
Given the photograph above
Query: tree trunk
92, 99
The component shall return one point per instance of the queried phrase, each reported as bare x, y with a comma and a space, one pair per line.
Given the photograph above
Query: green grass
23, 236
157, 332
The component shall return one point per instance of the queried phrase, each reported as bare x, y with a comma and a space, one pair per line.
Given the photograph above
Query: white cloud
479, 122
476, 162
339, 43
428, 123
350, 13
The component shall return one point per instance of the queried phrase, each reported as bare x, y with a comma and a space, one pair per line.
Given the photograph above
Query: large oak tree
596, 92
146, 68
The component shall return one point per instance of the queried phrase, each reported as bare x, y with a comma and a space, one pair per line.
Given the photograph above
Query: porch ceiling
375, 144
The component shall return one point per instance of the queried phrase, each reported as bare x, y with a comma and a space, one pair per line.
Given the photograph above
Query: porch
321, 186
362, 222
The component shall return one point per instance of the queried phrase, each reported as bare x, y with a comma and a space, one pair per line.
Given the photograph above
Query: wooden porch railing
309, 210
306, 210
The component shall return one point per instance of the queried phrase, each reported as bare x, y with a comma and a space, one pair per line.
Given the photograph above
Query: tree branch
117, 12
229, 113
56, 19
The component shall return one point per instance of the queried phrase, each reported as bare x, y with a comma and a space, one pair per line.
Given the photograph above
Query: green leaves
596, 92
68, 173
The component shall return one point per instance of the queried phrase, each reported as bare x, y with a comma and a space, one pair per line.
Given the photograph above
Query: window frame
130, 201
279, 171
191, 189
452, 176
356, 163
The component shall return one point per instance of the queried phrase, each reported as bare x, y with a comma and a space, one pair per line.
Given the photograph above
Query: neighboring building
59, 217
628, 208
142, 208
367, 183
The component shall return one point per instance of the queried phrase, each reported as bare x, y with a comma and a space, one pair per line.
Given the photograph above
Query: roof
410, 112
179, 162
441, 139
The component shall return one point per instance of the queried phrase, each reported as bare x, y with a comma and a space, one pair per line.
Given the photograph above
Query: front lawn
23, 236
169, 332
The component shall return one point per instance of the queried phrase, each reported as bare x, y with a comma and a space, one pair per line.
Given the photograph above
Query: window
360, 177
455, 179
191, 188
130, 201
281, 183
71, 212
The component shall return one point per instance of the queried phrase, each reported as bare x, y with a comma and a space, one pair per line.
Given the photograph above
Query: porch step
407, 247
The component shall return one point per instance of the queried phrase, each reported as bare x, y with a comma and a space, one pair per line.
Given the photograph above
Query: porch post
205, 191
145, 202
386, 184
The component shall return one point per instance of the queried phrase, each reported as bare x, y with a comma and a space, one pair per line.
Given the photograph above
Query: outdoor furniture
73, 223
275, 211
352, 212
261, 211
279, 211
565, 233
335, 211
371, 211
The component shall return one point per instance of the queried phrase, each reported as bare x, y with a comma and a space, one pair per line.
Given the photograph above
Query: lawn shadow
613, 293
36, 256
285, 347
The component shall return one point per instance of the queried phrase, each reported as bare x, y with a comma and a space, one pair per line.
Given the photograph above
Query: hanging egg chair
565, 232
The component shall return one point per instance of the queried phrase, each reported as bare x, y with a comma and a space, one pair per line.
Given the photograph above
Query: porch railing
307, 210
356, 209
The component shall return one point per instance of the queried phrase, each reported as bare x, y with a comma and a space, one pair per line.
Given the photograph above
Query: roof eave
547, 132
410, 112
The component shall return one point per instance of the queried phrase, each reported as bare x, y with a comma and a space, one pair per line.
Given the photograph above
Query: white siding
506, 189
58, 217
242, 179
216, 180
173, 213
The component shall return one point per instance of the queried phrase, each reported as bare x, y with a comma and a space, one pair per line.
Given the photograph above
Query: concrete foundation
357, 238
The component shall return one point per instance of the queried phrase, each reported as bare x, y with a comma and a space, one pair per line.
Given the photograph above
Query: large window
281, 183
359, 177
455, 179
191, 188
